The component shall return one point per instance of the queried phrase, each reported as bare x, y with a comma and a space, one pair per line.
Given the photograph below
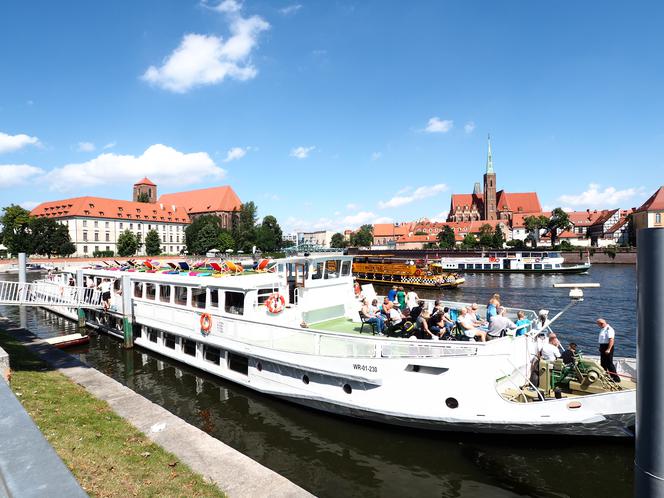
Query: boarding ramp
46, 293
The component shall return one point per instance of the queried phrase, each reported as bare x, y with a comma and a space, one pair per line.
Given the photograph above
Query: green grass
341, 325
108, 456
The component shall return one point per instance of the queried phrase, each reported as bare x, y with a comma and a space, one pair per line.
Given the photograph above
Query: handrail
46, 293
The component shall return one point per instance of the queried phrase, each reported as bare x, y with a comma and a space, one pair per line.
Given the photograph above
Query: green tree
486, 236
363, 237
498, 238
268, 234
143, 197
469, 241
516, 244
152, 243
127, 243
338, 241
225, 241
559, 221
446, 238
194, 246
16, 229
206, 239
244, 229
50, 238
533, 225
287, 243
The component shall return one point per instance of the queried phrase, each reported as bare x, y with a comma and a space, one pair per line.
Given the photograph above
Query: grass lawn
108, 456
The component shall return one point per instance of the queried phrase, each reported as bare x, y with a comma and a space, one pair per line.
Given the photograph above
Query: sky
329, 114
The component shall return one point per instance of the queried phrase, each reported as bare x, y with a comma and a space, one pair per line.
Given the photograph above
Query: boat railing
48, 293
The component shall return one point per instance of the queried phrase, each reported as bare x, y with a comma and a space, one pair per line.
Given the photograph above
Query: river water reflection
334, 456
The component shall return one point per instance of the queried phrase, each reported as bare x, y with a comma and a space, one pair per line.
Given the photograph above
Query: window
108, 237
96, 223
152, 334
121, 224
198, 297
345, 268
138, 289
96, 236
107, 224
317, 272
85, 236
234, 302
496, 267
137, 331
527, 266
658, 218
189, 347
332, 268
171, 238
478, 266
238, 363
214, 298
538, 267
462, 266
96, 248
131, 226
211, 354
547, 267
180, 295
264, 294
108, 248
85, 249
165, 293
85, 223
150, 291
169, 340
487, 266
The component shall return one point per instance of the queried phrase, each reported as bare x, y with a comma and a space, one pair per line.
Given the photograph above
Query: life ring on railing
492, 259
418, 272
206, 323
275, 303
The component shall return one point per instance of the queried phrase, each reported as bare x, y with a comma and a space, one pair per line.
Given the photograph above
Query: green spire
489, 160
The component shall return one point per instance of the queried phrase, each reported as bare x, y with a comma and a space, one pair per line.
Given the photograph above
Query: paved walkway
236, 474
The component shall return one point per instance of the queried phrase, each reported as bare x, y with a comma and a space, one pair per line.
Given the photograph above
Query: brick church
489, 204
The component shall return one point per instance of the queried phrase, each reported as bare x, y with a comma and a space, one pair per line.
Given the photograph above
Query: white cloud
375, 156
351, 206
359, 218
208, 59
10, 143
594, 197
109, 145
163, 164
235, 153
417, 194
29, 205
440, 217
85, 147
469, 127
16, 174
383, 219
290, 9
301, 152
437, 125
272, 197
30, 102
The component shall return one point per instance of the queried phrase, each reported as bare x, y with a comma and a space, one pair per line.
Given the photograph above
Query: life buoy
275, 303
493, 260
418, 272
206, 323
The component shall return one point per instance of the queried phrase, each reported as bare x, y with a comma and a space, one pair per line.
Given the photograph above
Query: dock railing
46, 293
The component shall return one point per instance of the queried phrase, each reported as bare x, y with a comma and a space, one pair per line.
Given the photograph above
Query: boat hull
577, 269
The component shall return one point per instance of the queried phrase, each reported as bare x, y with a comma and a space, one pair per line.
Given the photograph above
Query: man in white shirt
467, 322
606, 341
500, 325
551, 348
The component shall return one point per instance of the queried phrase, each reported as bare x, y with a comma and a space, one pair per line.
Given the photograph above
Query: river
335, 456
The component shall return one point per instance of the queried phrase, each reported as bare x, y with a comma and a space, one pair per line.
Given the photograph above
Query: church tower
490, 211
145, 191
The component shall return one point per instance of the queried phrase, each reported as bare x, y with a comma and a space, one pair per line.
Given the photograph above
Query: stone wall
601, 257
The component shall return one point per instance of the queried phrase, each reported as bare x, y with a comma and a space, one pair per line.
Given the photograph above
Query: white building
321, 238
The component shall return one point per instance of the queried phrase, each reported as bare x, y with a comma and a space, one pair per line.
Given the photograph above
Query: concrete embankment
601, 257
234, 473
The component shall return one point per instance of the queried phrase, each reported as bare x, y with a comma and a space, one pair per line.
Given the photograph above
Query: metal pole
80, 283
649, 463
22, 280
127, 312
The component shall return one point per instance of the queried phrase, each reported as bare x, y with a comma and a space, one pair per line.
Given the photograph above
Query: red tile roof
654, 202
389, 229
461, 200
145, 181
520, 202
99, 207
205, 200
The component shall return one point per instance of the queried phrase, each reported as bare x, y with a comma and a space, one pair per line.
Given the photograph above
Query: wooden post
128, 312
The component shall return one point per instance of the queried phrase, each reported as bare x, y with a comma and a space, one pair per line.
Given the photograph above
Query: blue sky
330, 114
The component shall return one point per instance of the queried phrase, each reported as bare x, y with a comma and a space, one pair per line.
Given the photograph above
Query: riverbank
118, 443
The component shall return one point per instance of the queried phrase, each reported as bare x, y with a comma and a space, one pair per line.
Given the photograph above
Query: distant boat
29, 268
511, 262
378, 269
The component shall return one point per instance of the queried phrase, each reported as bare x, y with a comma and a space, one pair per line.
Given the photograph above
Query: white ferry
511, 262
295, 333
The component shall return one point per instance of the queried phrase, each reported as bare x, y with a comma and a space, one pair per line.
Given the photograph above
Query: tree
194, 246
244, 229
498, 238
206, 239
469, 241
50, 238
516, 244
486, 235
446, 238
225, 241
127, 243
338, 241
16, 229
559, 221
268, 234
143, 197
363, 237
287, 243
533, 225
152, 243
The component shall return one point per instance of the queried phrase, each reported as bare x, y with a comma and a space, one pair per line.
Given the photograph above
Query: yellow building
651, 213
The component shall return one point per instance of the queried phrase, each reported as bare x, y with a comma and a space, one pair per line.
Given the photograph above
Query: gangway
45, 293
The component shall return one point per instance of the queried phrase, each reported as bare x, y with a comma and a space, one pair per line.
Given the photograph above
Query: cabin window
332, 268
478, 266
117, 285
345, 268
547, 267
180, 295
152, 334
169, 340
189, 347
137, 332
527, 266
462, 266
150, 291
264, 294
538, 267
198, 297
214, 298
211, 354
487, 266
238, 363
496, 267
165, 293
234, 303
525, 255
317, 270
138, 289
557, 265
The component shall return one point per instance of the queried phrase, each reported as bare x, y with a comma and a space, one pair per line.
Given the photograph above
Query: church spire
489, 160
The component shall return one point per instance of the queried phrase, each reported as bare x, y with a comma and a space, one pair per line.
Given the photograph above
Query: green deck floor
343, 324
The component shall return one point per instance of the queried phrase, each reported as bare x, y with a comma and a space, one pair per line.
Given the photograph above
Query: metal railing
44, 293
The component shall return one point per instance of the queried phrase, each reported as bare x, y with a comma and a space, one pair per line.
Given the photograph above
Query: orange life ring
418, 272
492, 259
206, 323
275, 303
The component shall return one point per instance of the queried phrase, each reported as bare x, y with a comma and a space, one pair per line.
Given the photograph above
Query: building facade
218, 201
651, 213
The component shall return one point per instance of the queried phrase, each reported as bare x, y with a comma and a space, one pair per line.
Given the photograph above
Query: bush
103, 254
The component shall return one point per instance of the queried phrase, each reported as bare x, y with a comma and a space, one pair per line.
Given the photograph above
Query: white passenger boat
511, 262
295, 333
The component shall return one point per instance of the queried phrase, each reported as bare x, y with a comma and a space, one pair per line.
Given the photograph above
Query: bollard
127, 312
649, 461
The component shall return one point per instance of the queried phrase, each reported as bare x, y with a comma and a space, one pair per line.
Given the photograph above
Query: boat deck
343, 325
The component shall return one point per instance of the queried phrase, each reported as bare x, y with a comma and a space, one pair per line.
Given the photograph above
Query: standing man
606, 346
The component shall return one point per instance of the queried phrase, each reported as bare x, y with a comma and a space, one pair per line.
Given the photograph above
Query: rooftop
205, 200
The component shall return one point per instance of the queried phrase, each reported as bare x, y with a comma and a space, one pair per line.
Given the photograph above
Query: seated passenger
500, 324
492, 306
416, 310
522, 324
385, 307
448, 320
467, 323
551, 348
474, 309
569, 354
371, 315
542, 322
395, 320
422, 327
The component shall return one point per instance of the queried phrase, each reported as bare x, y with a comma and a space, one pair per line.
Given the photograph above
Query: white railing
44, 293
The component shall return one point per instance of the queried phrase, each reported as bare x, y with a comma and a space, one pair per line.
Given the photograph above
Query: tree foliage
486, 236
338, 241
498, 238
469, 241
50, 238
127, 243
244, 229
268, 234
152, 243
446, 238
533, 225
363, 237
202, 234
559, 221
16, 229
143, 197
225, 241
